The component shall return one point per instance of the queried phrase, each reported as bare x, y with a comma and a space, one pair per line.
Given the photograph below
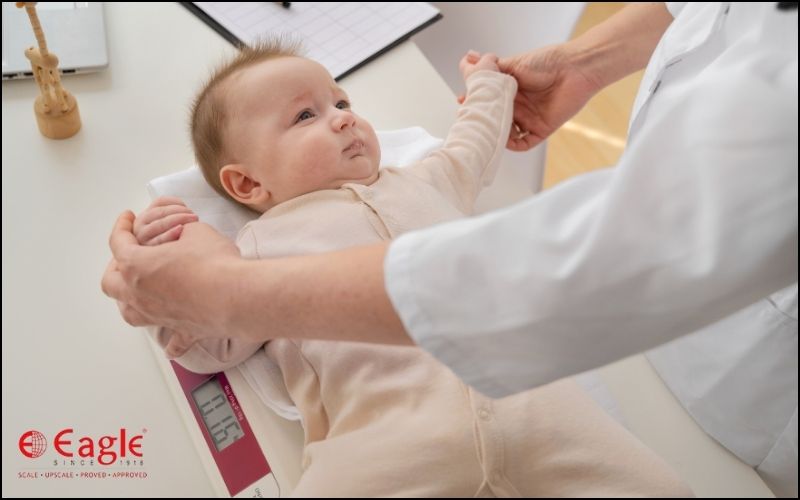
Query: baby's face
292, 128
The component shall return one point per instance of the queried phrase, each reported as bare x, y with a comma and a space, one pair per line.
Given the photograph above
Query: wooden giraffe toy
56, 109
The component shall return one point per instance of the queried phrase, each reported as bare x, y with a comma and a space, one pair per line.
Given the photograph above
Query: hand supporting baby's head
270, 126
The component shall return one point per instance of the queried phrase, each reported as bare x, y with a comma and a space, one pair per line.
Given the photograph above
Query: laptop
74, 31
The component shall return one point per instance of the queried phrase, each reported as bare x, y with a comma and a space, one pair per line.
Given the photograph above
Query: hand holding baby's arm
162, 221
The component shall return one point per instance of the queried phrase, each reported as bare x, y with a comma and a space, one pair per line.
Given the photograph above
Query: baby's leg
556, 442
401, 455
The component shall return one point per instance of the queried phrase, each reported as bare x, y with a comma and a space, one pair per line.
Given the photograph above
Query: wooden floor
595, 137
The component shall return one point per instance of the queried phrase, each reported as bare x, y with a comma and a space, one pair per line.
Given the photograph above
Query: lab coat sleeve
209, 355
675, 8
471, 153
698, 220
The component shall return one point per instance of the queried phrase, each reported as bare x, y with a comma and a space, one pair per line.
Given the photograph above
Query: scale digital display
220, 422
217, 413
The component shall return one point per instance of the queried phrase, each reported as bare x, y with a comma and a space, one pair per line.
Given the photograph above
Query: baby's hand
162, 221
473, 62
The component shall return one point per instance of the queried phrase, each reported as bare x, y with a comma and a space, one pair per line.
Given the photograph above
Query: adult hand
551, 89
179, 285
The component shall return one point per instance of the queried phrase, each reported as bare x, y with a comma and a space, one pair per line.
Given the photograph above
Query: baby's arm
163, 222
471, 153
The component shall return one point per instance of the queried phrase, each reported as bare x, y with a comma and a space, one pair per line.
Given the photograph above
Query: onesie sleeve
474, 146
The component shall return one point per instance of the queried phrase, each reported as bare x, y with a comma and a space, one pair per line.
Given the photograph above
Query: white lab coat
697, 221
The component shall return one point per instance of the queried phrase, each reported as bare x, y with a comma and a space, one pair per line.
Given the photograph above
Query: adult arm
556, 81
200, 288
698, 220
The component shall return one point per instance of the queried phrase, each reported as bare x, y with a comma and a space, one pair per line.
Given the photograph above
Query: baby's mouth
357, 146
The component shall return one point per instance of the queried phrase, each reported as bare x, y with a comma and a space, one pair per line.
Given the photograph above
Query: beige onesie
392, 421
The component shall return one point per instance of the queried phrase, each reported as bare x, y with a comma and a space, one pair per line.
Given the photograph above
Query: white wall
505, 28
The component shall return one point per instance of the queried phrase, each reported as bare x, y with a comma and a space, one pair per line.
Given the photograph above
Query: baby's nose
343, 119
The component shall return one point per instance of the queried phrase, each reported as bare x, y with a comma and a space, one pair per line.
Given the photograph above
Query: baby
274, 132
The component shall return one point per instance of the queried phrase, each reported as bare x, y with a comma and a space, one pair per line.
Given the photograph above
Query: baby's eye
304, 115
343, 104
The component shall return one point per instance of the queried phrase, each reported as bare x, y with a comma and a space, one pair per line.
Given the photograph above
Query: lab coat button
484, 414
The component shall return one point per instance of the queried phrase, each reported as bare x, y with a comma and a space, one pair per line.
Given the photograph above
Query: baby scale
246, 449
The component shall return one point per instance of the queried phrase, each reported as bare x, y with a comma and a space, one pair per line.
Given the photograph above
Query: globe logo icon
32, 444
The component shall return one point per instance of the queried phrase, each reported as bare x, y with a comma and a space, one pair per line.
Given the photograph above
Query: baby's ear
241, 186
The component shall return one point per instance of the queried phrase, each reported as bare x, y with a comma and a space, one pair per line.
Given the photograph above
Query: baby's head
270, 126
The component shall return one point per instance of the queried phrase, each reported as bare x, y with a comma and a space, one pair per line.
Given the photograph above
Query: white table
68, 358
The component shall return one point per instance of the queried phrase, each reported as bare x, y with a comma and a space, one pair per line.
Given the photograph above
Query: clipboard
225, 26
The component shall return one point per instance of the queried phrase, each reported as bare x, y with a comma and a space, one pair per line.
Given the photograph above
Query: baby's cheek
317, 154
374, 146
319, 161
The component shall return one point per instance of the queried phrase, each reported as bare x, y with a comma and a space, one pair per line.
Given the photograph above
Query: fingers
521, 143
162, 216
178, 345
487, 62
114, 286
463, 64
123, 243
132, 316
156, 231
474, 61
468, 60
461, 98
488, 58
471, 57
506, 64
112, 283
154, 213
122, 237
167, 236
163, 201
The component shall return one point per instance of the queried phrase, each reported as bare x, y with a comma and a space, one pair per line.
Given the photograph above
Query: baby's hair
209, 114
